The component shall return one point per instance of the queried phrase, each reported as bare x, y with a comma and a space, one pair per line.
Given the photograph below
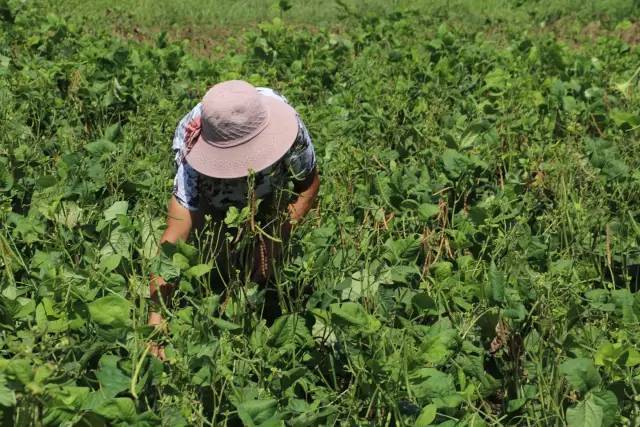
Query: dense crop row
474, 257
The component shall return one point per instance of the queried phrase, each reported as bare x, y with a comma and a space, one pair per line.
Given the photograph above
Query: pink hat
241, 130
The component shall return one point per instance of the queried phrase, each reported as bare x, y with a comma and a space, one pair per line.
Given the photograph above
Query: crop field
474, 258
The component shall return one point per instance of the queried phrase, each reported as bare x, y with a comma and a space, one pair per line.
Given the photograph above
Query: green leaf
109, 263
112, 379
101, 147
120, 408
424, 303
597, 410
437, 343
21, 370
497, 79
604, 155
93, 400
624, 301
360, 284
163, 267
120, 241
202, 377
623, 88
455, 163
470, 420
290, 377
452, 400
113, 132
352, 314
609, 353
469, 138
427, 416
46, 181
625, 119
256, 412
606, 400
10, 292
70, 399
581, 374
497, 282
180, 261
187, 250
6, 176
290, 329
225, 324
399, 250
442, 270
68, 214
569, 104
633, 358
428, 210
515, 404
118, 208
150, 237
198, 270
430, 383
401, 274
112, 310
349, 313
7, 396
586, 414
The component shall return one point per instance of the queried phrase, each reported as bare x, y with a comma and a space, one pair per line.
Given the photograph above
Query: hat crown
232, 113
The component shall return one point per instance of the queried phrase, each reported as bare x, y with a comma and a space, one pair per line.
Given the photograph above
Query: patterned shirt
197, 192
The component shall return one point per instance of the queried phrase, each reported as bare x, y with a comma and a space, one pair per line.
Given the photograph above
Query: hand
155, 319
157, 350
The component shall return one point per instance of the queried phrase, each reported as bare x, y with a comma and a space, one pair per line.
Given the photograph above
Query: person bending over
239, 144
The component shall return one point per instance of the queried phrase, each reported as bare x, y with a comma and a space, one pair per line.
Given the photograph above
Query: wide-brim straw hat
242, 130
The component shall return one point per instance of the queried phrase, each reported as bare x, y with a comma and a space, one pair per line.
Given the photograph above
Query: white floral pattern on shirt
195, 191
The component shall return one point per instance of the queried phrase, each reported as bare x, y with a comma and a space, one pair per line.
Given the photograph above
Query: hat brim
257, 154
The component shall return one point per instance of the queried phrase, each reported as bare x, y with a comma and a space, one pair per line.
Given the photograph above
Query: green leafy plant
474, 259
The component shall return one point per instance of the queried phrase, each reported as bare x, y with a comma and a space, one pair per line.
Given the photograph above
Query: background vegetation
162, 14
474, 259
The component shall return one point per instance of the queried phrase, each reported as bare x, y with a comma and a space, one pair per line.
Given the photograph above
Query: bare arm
307, 195
180, 221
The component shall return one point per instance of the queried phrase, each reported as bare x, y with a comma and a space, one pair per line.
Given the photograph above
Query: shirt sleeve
300, 160
185, 183
185, 187
301, 157
267, 91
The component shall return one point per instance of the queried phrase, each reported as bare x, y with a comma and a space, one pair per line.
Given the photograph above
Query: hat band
244, 139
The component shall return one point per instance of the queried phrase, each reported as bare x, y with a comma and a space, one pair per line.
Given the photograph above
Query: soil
593, 30
203, 41
630, 34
